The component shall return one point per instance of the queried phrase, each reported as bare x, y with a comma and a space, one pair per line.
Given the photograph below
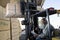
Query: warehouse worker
44, 27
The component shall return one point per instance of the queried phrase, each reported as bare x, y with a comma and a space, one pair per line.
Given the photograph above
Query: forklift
31, 16
29, 10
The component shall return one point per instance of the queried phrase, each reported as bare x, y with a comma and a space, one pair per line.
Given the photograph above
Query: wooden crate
13, 10
4, 29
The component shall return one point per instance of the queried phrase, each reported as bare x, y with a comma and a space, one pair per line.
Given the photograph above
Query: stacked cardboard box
5, 31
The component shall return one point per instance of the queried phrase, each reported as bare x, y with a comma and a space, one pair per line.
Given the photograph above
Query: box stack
5, 30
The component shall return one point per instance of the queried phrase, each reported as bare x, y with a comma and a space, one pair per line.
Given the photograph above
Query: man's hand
35, 35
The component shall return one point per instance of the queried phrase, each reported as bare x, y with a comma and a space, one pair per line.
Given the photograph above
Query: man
44, 27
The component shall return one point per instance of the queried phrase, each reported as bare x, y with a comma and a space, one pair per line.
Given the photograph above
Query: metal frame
49, 38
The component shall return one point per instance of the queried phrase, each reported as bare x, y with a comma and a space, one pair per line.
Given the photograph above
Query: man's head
42, 23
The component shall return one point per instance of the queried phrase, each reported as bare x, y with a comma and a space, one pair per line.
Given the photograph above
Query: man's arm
34, 34
44, 33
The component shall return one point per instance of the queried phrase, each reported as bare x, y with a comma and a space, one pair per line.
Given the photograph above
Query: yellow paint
55, 38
